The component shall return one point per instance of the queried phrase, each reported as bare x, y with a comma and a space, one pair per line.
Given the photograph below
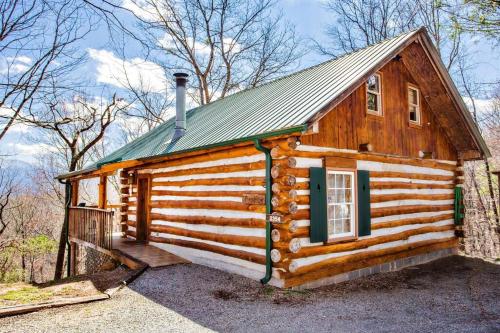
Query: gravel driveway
454, 294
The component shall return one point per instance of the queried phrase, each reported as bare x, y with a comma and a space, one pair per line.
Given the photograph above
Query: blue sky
310, 19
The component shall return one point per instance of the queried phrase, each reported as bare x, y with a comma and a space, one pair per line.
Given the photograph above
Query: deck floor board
148, 254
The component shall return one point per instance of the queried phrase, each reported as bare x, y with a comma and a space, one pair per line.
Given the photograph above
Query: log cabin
344, 169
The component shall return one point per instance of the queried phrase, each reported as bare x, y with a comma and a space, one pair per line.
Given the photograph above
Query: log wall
198, 209
411, 208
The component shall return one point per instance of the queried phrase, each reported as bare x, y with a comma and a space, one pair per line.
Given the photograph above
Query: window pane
413, 113
337, 212
338, 227
340, 203
343, 211
348, 194
332, 197
338, 181
413, 96
347, 225
372, 102
373, 83
347, 181
331, 212
331, 226
331, 181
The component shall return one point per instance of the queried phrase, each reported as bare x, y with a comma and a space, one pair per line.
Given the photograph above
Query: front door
142, 209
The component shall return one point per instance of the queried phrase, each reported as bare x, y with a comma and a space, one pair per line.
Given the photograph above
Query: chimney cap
181, 75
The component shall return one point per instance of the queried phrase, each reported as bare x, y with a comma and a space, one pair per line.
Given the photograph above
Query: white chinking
227, 161
240, 174
379, 166
222, 230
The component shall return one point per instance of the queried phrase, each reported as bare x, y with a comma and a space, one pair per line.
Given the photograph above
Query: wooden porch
93, 227
148, 254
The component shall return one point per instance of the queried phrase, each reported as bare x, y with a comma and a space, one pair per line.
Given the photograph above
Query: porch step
130, 252
128, 260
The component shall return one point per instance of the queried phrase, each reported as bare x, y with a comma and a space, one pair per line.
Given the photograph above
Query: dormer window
414, 105
374, 95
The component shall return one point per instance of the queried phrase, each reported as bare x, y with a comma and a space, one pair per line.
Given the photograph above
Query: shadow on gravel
454, 294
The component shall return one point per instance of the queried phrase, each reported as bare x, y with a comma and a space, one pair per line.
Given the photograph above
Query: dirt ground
84, 285
454, 294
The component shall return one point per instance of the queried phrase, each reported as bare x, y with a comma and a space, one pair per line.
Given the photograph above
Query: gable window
341, 211
374, 95
414, 105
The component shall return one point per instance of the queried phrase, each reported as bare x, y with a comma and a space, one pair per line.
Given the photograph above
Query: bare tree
361, 23
75, 126
226, 45
36, 44
471, 89
479, 16
7, 187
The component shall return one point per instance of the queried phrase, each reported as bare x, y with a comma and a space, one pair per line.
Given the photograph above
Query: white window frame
379, 96
346, 235
417, 106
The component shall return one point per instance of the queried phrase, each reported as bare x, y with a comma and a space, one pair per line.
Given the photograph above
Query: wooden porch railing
91, 226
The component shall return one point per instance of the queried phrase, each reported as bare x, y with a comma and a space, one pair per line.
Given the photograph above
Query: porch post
103, 182
74, 193
73, 247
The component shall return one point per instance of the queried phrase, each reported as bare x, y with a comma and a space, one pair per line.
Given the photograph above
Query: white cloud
145, 10
14, 65
136, 72
482, 105
26, 152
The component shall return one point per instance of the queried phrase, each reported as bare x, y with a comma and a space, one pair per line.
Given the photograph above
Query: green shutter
459, 207
317, 186
364, 215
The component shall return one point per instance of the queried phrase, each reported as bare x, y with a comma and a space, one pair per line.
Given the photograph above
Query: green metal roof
282, 105
285, 103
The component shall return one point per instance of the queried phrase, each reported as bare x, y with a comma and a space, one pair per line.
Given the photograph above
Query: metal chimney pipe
180, 104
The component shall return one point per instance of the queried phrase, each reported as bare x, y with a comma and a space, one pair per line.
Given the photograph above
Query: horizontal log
215, 169
206, 204
288, 226
204, 155
287, 209
301, 214
309, 251
418, 220
401, 185
290, 162
251, 241
368, 157
131, 233
219, 181
379, 212
416, 249
409, 196
420, 176
216, 221
287, 180
277, 187
205, 193
292, 246
287, 235
248, 256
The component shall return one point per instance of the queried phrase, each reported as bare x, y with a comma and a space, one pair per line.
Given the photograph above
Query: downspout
269, 265
67, 203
